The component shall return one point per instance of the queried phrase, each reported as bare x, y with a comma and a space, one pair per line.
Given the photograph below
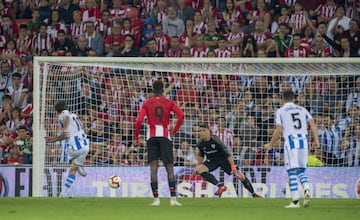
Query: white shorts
295, 158
78, 156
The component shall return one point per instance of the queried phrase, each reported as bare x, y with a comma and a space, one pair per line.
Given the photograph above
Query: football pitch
193, 208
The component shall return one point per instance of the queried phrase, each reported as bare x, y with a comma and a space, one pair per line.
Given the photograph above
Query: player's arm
180, 118
139, 120
65, 134
274, 138
314, 132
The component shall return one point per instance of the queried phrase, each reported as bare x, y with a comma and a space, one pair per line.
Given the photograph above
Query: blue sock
293, 185
69, 180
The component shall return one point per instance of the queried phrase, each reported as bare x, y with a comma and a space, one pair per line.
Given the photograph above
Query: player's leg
78, 160
153, 155
166, 155
204, 171
303, 156
292, 174
240, 176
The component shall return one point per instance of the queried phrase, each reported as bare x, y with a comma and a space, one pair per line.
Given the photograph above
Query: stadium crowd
240, 111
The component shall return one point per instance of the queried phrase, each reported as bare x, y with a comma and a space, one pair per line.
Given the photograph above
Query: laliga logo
4, 186
357, 188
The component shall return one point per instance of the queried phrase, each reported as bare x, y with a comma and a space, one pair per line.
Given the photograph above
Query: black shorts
213, 165
160, 148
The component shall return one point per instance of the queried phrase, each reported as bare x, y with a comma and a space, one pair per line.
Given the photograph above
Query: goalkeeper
217, 155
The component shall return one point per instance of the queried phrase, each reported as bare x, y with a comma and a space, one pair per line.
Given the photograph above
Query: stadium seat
22, 21
133, 12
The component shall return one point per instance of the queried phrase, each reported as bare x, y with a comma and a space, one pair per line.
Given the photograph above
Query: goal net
236, 97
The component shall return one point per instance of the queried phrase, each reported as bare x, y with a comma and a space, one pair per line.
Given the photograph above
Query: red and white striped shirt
306, 43
149, 5
42, 42
222, 53
76, 30
118, 12
199, 52
227, 136
325, 10
90, 14
232, 36
201, 28
184, 40
298, 20
104, 29
228, 19
300, 52
259, 38
325, 52
20, 44
173, 52
163, 42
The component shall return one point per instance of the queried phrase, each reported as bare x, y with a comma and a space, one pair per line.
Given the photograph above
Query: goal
236, 96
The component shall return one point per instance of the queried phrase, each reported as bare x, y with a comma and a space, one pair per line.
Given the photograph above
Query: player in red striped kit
158, 111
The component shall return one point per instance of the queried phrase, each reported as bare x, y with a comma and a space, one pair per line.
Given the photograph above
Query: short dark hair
158, 87
288, 95
203, 125
60, 106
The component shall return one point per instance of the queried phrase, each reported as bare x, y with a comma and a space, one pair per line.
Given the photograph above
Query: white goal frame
39, 133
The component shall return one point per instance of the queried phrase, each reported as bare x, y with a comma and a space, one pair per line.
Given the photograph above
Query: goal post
108, 92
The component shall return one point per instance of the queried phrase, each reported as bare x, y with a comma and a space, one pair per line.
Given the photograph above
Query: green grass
199, 209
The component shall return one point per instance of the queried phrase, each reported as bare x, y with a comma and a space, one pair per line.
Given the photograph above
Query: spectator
260, 34
42, 41
114, 41
352, 9
17, 91
55, 23
42, 13
172, 25
296, 50
282, 39
186, 39
231, 14
159, 12
10, 28
148, 31
128, 50
62, 44
5, 110
326, 11
320, 49
339, 21
235, 37
174, 50
24, 142
152, 49
91, 11
299, 19
94, 39
5, 77
343, 49
284, 18
33, 25
222, 51
163, 40
353, 34
184, 11
260, 13
249, 47
118, 12
81, 50
211, 37
199, 49
200, 27
66, 11
76, 28
7, 141
104, 25
23, 41
209, 12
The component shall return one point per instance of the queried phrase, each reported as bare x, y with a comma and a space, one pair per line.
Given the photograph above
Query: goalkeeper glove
234, 170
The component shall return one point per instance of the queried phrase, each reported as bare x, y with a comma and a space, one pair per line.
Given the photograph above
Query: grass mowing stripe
193, 208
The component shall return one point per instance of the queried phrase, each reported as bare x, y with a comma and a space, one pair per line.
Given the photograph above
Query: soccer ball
114, 181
